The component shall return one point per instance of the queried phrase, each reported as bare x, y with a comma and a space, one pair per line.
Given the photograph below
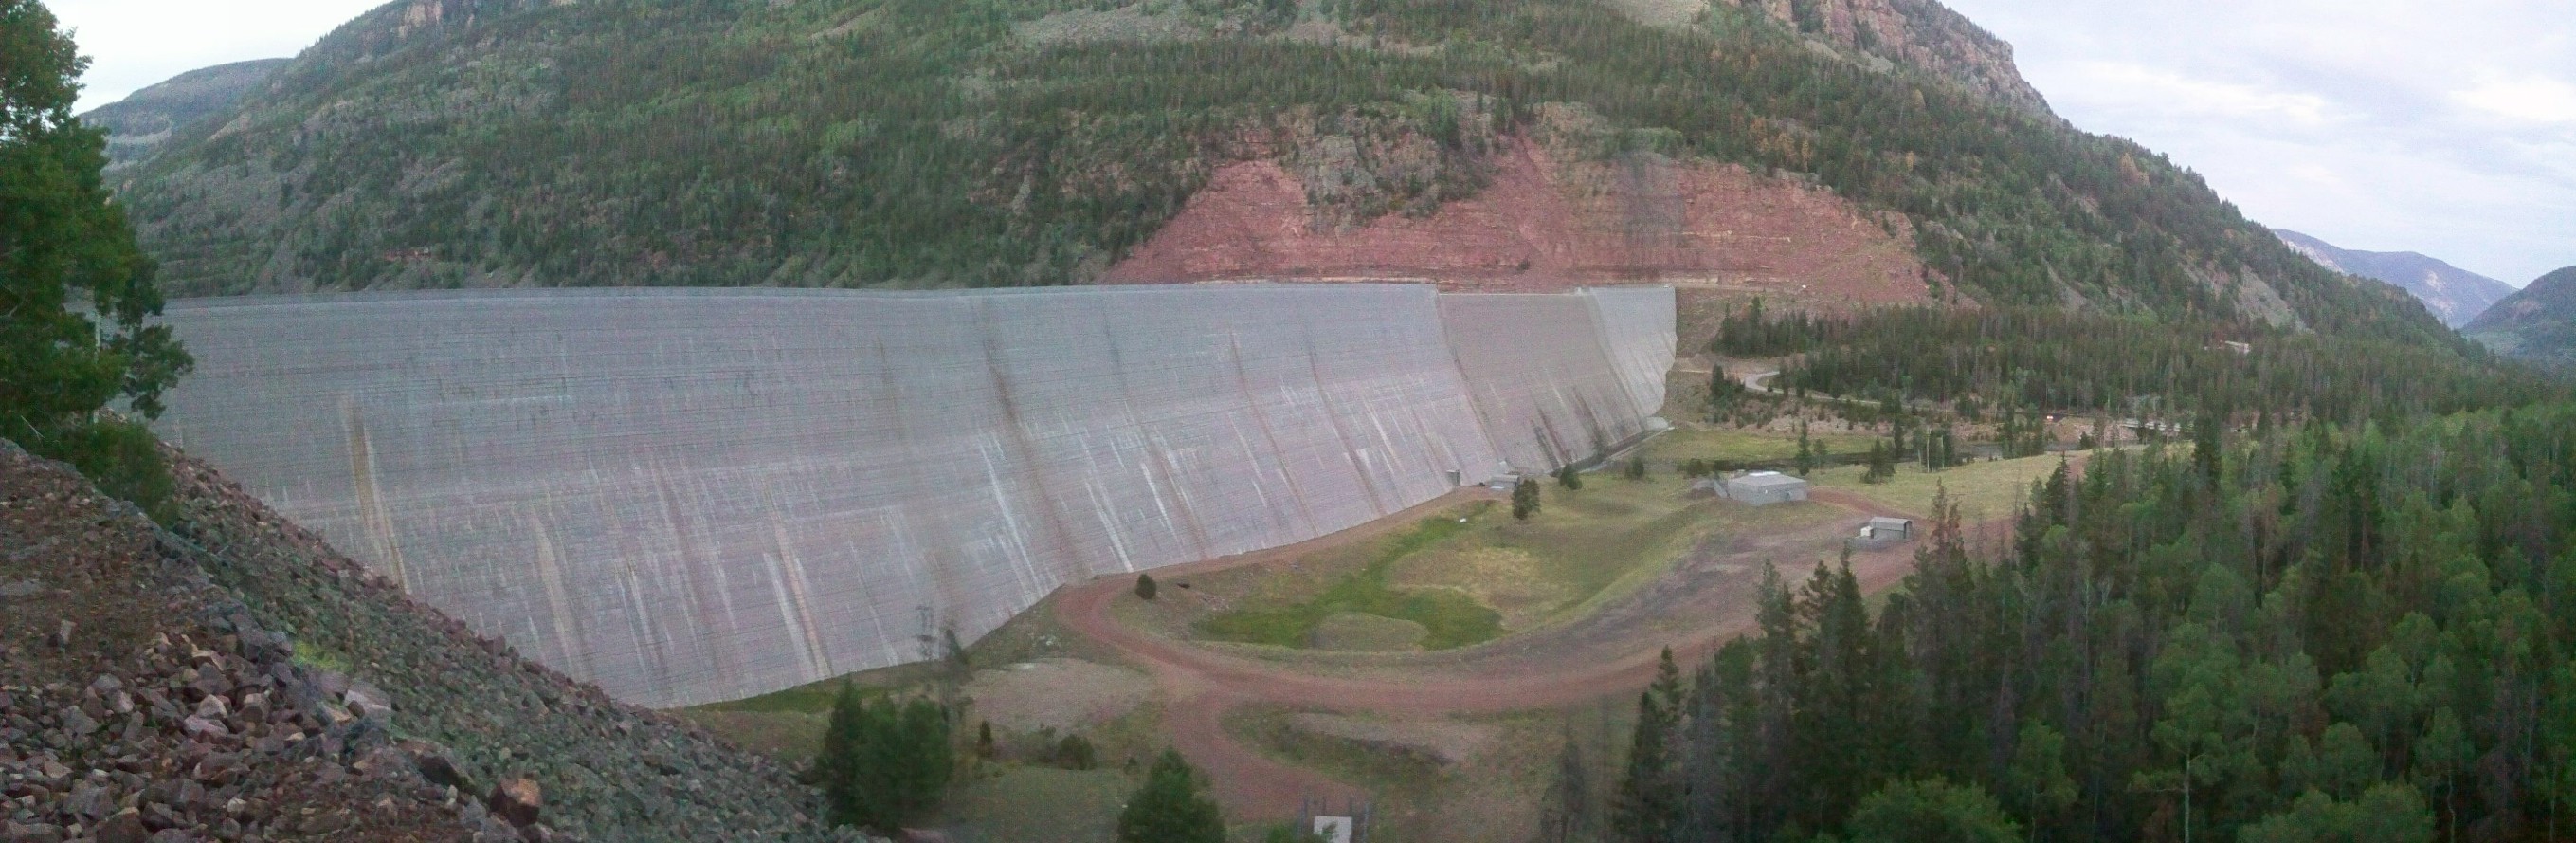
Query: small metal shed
1888, 529
1762, 488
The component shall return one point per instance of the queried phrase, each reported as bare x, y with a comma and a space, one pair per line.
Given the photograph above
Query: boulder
516, 800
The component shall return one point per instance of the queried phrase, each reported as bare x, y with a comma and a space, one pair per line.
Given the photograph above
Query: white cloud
2392, 125
2131, 85
136, 43
2537, 99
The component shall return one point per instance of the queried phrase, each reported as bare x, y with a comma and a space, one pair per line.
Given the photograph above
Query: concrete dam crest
690, 496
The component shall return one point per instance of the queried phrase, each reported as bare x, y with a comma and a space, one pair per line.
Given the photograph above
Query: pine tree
883, 765
1649, 806
1145, 587
1806, 459
1524, 499
1171, 807
76, 294
1567, 814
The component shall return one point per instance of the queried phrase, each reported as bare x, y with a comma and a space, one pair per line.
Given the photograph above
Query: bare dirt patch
1543, 222
1066, 694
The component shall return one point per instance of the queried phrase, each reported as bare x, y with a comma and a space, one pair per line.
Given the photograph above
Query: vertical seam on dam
722, 493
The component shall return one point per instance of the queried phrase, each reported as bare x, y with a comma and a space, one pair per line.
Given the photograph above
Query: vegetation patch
1981, 489
1013, 802
1275, 733
1449, 618
1727, 447
1367, 633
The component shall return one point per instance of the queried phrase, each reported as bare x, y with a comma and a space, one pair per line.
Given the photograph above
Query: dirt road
1707, 598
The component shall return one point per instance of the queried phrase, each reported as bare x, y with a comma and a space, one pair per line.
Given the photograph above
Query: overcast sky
2391, 125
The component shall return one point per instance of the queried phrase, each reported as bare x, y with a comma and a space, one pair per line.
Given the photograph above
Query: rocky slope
442, 143
139, 124
2454, 295
2536, 323
235, 679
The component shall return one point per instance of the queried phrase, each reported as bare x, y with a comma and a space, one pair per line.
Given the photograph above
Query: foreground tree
1172, 807
74, 289
885, 764
1931, 812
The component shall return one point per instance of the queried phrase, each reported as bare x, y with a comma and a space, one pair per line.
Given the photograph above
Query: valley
1273, 421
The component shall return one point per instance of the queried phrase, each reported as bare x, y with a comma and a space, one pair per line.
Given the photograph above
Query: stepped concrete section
689, 496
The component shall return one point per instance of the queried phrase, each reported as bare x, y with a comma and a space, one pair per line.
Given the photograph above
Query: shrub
1145, 587
1076, 753
1525, 499
1172, 807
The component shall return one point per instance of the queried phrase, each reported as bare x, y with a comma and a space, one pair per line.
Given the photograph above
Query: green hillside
2537, 323
436, 143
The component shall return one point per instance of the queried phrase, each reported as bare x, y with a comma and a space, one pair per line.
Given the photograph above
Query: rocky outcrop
1917, 33
173, 685
1542, 223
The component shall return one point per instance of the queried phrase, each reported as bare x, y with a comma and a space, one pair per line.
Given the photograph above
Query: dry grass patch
1067, 694
1745, 446
1983, 489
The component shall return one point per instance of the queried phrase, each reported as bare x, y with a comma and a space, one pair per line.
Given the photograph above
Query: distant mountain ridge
2537, 323
138, 125
2454, 295
922, 143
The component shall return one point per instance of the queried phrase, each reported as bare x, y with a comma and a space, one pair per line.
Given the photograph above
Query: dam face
689, 496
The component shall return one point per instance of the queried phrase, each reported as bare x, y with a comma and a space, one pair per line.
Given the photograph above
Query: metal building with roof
1762, 488
1885, 528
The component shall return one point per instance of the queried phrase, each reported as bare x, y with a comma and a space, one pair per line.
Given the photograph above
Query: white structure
1881, 528
1763, 488
1333, 829
688, 496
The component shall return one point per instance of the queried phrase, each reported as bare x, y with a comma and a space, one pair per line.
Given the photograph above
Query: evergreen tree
1569, 478
1145, 587
1931, 812
75, 292
1171, 807
1525, 501
883, 765
1649, 806
1566, 814
1807, 457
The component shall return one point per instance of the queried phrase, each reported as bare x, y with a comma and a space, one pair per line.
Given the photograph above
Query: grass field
1982, 489
1024, 803
1478, 578
1743, 446
1448, 618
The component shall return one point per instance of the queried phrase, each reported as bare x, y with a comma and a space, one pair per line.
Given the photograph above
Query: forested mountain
139, 124
2455, 295
991, 142
2053, 361
2328, 634
2537, 323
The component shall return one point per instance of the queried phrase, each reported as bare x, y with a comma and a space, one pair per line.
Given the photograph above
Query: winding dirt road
1707, 598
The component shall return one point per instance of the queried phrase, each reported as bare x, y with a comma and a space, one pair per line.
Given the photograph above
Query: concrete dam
690, 496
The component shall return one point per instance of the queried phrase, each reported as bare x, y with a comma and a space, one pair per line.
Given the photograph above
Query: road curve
1200, 685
